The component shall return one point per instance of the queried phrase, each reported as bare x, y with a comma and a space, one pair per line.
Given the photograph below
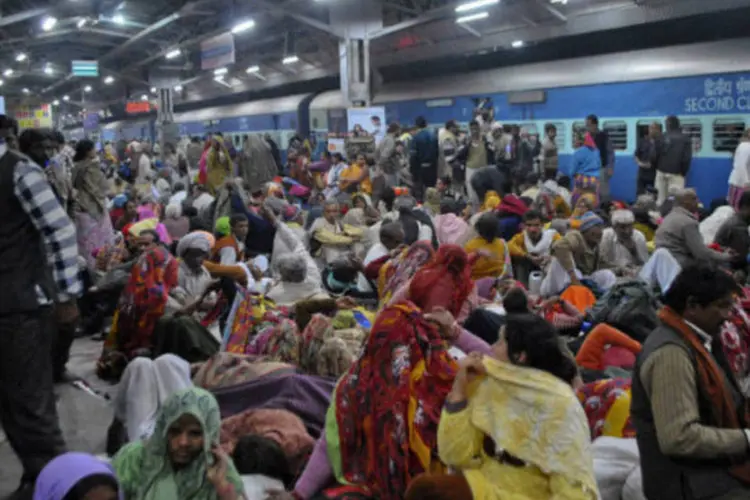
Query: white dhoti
661, 268
144, 387
557, 279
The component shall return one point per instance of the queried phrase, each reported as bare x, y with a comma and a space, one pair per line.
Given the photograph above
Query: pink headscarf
450, 229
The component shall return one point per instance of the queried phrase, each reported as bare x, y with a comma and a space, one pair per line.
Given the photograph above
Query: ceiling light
109, 80
87, 88
56, 102
290, 60
1, 83
243, 26
561, 2
173, 53
220, 71
219, 78
144, 97
178, 88
473, 17
66, 98
517, 44
81, 22
253, 69
153, 90
118, 19
48, 70
48, 23
20, 57
25, 90
8, 72
466, 7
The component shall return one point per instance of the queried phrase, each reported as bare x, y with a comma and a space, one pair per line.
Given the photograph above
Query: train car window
694, 130
727, 134
641, 128
560, 137
618, 134
577, 129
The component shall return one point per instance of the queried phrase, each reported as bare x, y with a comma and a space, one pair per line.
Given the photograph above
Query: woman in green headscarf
182, 458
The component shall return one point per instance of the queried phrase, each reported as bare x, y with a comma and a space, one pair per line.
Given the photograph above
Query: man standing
606, 152
673, 164
646, 156
388, 157
39, 272
475, 155
424, 158
549, 154
686, 407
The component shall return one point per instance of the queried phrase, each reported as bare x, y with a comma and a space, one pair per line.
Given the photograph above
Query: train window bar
576, 129
618, 134
694, 130
560, 137
727, 134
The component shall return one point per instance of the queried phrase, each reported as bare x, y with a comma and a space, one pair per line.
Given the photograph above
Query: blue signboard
91, 122
85, 68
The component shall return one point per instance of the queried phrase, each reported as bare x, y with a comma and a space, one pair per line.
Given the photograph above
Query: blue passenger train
706, 85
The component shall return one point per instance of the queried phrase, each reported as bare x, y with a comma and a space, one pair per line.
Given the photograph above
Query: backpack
630, 307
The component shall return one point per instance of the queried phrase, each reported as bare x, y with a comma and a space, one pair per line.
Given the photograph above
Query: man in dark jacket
646, 155
687, 407
274, 152
673, 163
424, 158
607, 153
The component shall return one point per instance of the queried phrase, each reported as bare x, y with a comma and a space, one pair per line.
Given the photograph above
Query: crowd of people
449, 318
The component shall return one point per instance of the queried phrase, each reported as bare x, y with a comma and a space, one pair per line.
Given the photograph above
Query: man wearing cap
576, 256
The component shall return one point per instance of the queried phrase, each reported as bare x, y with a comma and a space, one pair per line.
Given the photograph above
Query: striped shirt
38, 200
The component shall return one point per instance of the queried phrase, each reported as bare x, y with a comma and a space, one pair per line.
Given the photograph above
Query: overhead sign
136, 107
85, 68
34, 116
91, 121
217, 51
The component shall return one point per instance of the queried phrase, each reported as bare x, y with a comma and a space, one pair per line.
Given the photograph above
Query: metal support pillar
354, 49
167, 130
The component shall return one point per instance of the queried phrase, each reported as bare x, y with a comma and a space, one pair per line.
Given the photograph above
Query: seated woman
449, 226
486, 435
182, 458
141, 305
356, 177
393, 273
330, 238
493, 256
77, 476
378, 460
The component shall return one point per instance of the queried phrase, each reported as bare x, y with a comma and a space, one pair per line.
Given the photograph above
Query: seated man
686, 406
679, 233
391, 237
622, 246
734, 235
576, 256
530, 250
330, 238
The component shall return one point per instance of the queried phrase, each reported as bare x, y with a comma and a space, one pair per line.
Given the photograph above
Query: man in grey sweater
680, 235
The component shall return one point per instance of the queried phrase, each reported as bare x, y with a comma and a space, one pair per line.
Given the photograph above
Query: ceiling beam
427, 17
470, 30
281, 11
21, 16
546, 6
589, 21
148, 31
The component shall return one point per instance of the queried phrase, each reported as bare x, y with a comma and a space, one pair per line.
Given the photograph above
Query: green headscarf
143, 467
222, 226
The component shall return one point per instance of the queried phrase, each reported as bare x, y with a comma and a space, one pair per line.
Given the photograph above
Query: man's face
241, 229
690, 202
654, 130
42, 151
474, 130
331, 213
533, 228
624, 232
441, 186
552, 133
593, 236
194, 258
145, 242
591, 126
711, 317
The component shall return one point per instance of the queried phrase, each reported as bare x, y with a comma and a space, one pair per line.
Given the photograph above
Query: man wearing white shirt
622, 246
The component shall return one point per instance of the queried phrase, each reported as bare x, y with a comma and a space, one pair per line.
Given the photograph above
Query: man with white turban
193, 278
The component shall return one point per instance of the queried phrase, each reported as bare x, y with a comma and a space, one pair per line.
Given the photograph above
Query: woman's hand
445, 322
217, 473
346, 303
469, 368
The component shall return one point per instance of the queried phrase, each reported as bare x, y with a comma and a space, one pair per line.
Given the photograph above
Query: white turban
195, 240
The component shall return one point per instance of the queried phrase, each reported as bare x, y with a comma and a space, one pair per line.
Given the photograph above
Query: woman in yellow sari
511, 425
493, 256
218, 165
356, 177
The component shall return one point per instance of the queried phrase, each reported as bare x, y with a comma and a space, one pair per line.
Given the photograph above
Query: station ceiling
133, 40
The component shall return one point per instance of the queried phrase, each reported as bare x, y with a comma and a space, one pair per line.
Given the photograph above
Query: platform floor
84, 418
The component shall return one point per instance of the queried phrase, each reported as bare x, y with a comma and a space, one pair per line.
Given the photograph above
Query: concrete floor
84, 418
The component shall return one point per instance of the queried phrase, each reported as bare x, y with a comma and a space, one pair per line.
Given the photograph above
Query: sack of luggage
630, 307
